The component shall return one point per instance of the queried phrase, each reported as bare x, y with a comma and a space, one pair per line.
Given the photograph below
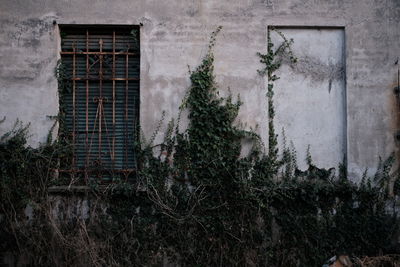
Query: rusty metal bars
97, 53
126, 109
100, 98
80, 122
87, 106
73, 106
104, 79
113, 102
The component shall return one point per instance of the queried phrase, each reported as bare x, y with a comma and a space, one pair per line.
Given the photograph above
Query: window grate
102, 107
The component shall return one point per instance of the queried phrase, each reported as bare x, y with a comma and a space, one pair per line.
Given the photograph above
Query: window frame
88, 170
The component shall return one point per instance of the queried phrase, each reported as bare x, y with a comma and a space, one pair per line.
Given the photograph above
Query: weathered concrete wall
310, 98
175, 34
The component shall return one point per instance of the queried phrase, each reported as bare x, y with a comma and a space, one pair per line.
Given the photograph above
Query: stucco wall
175, 34
310, 98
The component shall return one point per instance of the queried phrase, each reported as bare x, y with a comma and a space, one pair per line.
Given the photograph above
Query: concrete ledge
69, 189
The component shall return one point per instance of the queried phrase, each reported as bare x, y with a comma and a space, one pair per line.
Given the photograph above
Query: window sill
65, 189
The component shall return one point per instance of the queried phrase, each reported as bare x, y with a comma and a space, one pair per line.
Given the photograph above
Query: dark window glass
102, 103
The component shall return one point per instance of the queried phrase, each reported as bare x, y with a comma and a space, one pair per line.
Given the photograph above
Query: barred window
102, 105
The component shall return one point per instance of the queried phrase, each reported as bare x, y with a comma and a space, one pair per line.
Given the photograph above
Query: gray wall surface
175, 34
310, 97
